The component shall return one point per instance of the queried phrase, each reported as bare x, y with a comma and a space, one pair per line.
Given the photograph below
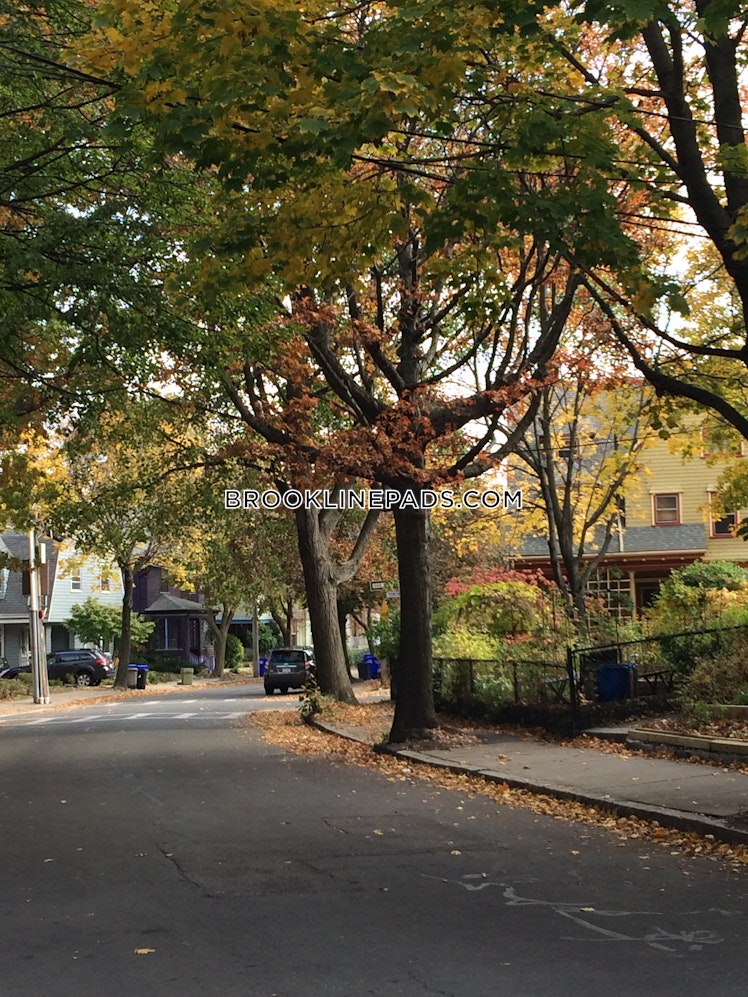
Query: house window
666, 509
4, 574
76, 583
725, 526
104, 581
167, 634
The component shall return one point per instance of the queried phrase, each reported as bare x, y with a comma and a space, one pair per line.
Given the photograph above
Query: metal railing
647, 666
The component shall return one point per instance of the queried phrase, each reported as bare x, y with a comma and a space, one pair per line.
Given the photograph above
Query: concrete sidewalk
689, 796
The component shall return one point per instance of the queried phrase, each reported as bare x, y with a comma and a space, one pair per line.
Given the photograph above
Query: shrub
385, 634
157, 678
465, 642
718, 679
701, 595
268, 636
17, 688
493, 691
234, 652
163, 661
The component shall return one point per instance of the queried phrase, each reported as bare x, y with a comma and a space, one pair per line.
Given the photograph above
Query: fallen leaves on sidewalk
288, 731
626, 751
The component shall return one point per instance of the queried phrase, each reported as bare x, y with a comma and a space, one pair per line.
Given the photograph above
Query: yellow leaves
115, 37
644, 299
144, 951
157, 92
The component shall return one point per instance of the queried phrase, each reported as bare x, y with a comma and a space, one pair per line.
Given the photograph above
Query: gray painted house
14, 605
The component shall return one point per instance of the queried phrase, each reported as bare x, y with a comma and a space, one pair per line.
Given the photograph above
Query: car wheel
84, 678
269, 690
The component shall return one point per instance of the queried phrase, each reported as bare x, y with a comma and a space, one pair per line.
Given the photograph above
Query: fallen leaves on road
288, 731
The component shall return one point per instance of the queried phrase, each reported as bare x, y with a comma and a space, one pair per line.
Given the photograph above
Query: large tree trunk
322, 602
415, 716
125, 641
220, 634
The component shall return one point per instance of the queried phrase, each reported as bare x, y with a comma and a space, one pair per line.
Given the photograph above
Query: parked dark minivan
288, 668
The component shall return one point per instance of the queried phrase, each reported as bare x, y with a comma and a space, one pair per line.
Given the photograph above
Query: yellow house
668, 520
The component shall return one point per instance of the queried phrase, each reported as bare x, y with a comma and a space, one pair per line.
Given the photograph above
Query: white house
76, 579
71, 579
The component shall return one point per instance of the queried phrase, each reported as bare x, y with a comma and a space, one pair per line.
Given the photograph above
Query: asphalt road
161, 848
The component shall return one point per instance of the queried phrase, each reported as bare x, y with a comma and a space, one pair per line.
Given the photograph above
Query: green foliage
492, 691
499, 609
385, 634
86, 233
310, 699
268, 637
720, 674
463, 641
234, 652
94, 622
473, 685
159, 678
163, 661
702, 595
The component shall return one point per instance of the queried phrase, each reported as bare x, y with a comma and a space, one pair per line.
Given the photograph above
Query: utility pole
36, 630
255, 639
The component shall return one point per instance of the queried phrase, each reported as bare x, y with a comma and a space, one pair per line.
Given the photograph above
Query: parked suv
84, 666
288, 668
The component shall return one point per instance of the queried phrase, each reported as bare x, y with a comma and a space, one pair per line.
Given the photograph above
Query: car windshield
288, 657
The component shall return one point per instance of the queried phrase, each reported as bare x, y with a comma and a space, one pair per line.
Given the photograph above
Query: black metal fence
463, 682
602, 673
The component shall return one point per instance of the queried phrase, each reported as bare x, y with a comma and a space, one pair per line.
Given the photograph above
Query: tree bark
125, 641
414, 716
220, 635
342, 618
283, 622
322, 601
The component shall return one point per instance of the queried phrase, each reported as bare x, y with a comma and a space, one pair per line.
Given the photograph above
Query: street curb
721, 749
673, 819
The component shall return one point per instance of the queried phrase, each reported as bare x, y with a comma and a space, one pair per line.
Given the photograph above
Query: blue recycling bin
370, 667
614, 682
263, 664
